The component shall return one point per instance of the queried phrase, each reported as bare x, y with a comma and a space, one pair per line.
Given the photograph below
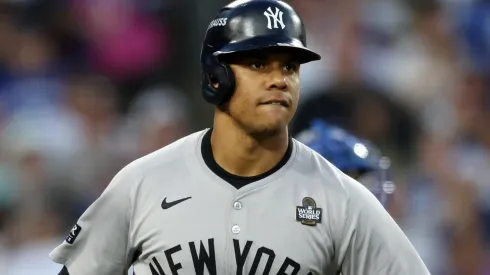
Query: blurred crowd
86, 86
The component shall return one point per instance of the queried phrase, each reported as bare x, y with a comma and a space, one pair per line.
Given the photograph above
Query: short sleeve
99, 243
372, 242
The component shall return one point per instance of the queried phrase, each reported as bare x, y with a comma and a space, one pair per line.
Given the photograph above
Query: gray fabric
221, 230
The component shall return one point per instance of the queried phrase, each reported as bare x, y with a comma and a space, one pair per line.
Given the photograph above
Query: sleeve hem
55, 257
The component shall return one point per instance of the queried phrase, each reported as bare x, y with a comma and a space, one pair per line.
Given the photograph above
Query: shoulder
161, 161
308, 161
311, 163
339, 194
180, 149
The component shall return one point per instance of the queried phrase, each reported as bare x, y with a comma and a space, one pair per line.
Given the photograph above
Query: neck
245, 155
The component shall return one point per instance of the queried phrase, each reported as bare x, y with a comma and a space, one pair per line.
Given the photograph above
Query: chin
268, 129
263, 125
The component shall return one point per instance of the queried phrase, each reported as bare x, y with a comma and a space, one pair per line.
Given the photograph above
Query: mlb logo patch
308, 214
73, 234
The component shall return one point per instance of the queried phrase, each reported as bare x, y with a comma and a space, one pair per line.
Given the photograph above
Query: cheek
239, 103
243, 96
295, 92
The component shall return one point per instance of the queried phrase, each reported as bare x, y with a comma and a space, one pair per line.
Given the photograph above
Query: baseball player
242, 197
355, 157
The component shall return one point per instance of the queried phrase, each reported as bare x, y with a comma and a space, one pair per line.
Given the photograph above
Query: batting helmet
248, 25
350, 154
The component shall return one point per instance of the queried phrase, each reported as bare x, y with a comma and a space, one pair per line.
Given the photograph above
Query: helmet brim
304, 54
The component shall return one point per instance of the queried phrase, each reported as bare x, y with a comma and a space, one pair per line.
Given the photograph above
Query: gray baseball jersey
168, 213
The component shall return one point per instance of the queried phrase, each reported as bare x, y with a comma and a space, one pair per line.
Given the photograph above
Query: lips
281, 102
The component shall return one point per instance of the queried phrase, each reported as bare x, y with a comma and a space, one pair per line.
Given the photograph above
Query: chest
267, 230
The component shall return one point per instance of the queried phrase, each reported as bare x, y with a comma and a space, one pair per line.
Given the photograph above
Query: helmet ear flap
215, 72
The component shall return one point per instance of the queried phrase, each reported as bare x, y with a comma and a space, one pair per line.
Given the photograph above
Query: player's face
267, 90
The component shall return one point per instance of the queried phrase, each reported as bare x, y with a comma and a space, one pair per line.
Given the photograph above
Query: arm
99, 243
372, 242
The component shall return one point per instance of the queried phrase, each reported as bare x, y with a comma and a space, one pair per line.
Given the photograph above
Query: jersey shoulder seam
144, 163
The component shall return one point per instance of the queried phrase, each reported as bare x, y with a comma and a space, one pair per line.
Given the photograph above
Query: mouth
278, 102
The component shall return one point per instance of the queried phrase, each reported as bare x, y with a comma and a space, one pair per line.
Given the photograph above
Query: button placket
238, 217
235, 229
237, 205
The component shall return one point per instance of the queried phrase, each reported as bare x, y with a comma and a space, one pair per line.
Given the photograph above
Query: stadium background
88, 85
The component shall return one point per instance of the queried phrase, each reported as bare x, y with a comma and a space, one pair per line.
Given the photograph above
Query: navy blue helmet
248, 25
352, 155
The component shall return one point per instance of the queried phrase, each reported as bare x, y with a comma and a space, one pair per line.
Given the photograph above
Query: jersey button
237, 205
235, 229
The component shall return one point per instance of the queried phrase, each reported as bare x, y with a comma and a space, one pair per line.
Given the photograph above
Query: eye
291, 67
257, 65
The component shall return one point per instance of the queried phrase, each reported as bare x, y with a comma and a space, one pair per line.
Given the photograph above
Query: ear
213, 81
218, 82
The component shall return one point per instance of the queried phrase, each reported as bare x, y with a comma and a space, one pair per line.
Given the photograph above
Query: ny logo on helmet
277, 17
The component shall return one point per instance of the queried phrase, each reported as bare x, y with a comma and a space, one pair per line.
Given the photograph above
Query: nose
277, 79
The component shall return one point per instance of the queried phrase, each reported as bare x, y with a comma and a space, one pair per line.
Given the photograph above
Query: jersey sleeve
99, 243
372, 242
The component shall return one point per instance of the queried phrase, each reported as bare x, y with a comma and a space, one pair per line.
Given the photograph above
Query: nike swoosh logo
167, 205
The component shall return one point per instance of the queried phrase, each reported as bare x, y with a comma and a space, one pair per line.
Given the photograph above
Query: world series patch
308, 214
